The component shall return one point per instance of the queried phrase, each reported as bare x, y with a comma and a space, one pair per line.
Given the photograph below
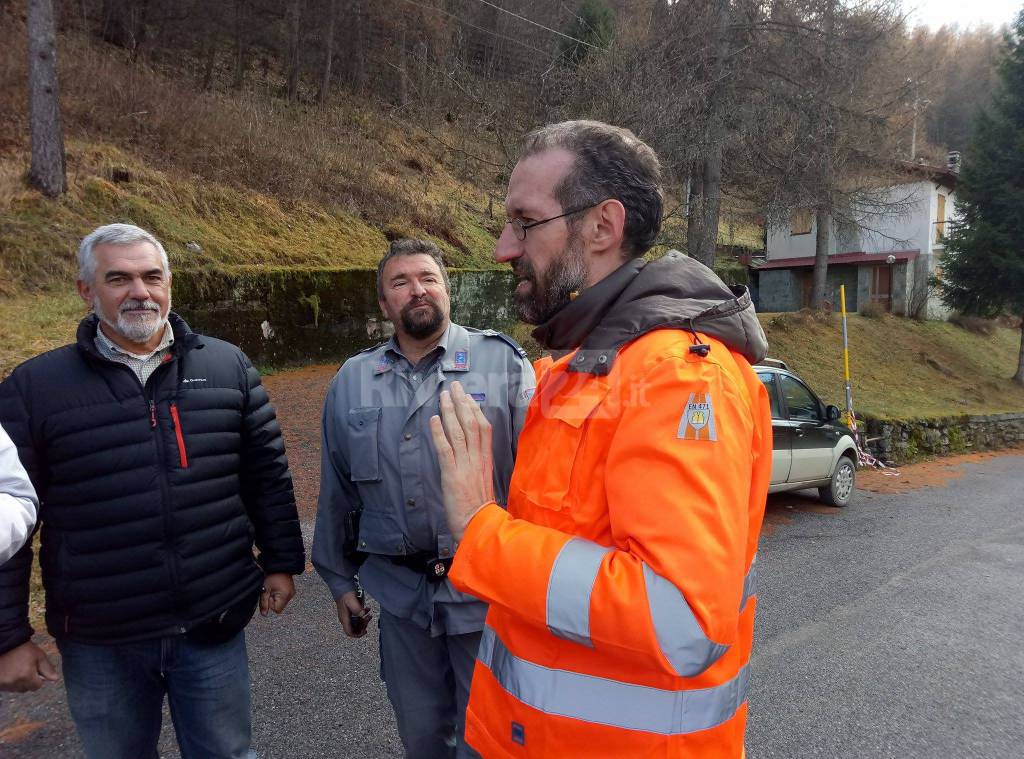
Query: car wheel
840, 489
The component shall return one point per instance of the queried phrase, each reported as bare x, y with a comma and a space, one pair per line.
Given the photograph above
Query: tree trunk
823, 224
826, 136
241, 53
210, 62
114, 26
360, 74
48, 173
325, 85
1019, 376
694, 213
293, 56
403, 74
711, 191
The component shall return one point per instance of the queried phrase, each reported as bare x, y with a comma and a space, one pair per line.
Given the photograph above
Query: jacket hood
673, 291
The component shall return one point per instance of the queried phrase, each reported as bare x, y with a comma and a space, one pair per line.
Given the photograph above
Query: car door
782, 453
812, 441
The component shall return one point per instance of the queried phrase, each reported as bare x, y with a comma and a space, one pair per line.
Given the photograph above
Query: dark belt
432, 567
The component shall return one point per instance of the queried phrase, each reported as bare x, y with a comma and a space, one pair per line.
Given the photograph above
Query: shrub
871, 310
974, 324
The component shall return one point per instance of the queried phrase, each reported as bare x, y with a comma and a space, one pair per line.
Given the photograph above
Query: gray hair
611, 162
114, 234
410, 247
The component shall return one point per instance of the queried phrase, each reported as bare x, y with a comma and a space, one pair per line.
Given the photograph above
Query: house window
940, 219
800, 224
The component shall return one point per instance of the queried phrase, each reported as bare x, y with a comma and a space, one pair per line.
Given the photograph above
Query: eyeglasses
519, 228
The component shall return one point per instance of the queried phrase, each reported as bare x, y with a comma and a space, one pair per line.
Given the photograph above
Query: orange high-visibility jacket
621, 578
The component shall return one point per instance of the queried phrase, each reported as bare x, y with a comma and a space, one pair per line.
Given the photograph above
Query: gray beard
131, 329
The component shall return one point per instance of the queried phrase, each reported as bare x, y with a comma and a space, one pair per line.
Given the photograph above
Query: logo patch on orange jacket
698, 422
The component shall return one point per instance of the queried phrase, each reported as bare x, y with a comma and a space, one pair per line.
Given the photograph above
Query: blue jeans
116, 695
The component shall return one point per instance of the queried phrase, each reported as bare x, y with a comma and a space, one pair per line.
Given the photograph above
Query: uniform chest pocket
551, 442
364, 444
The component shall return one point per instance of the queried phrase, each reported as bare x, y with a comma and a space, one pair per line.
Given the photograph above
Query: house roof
939, 174
902, 256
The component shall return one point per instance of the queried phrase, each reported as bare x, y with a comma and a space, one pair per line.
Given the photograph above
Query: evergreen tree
593, 25
983, 269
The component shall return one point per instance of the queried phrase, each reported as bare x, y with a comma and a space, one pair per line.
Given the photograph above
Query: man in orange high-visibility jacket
621, 578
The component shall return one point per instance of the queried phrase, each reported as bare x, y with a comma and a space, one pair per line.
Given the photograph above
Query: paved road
895, 628
892, 628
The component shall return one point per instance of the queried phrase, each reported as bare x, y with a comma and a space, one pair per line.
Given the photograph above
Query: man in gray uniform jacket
380, 513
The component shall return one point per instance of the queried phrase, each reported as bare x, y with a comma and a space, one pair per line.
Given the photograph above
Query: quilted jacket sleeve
14, 574
267, 482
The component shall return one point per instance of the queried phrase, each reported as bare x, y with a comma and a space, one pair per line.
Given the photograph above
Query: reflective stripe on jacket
621, 579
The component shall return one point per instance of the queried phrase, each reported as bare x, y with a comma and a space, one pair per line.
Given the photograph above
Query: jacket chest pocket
363, 443
552, 439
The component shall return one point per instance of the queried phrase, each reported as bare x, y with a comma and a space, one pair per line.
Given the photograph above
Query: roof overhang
902, 256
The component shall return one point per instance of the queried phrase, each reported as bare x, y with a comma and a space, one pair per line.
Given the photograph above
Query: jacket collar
454, 347
673, 291
184, 338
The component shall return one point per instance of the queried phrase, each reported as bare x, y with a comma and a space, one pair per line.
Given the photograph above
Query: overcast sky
935, 13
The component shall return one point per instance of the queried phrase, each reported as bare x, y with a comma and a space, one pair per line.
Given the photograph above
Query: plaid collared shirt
144, 365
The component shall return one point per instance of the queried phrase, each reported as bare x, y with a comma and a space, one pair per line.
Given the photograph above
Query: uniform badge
382, 365
461, 359
698, 422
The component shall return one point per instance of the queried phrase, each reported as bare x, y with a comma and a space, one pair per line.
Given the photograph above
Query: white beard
135, 328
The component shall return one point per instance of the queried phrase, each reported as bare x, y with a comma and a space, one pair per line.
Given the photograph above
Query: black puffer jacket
151, 497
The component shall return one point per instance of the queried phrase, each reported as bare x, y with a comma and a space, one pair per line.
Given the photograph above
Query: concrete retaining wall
284, 317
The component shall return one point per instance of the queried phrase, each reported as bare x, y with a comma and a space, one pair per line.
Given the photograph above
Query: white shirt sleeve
18, 502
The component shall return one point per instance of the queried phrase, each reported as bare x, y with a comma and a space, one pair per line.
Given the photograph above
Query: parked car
812, 448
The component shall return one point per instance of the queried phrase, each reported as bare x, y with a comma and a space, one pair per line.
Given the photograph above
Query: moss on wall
286, 316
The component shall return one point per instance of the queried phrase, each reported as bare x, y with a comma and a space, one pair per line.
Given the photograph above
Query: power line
545, 28
478, 28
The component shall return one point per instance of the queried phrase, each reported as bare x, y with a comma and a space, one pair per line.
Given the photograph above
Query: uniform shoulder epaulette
503, 337
372, 348
364, 353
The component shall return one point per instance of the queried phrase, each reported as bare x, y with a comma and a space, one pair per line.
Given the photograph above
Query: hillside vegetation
250, 179
238, 179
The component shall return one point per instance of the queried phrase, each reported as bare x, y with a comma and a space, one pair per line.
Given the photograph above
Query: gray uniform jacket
377, 454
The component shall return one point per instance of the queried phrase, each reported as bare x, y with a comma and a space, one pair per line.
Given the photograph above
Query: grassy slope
890, 364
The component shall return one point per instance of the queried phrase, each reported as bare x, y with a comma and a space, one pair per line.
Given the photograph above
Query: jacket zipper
165, 493
182, 454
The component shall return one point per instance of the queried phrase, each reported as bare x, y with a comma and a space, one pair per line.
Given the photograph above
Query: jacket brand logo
197, 379
698, 422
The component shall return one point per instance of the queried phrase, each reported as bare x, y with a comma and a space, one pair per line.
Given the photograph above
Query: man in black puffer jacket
158, 462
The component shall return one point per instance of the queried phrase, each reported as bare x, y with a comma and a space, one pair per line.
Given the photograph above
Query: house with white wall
885, 251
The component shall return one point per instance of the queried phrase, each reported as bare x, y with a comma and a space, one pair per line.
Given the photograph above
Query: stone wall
903, 441
284, 317
778, 290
